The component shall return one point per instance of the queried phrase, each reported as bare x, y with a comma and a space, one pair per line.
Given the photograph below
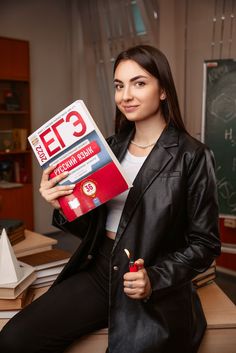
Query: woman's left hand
137, 284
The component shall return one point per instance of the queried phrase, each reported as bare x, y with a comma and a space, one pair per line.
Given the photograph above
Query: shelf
14, 79
13, 112
15, 152
13, 185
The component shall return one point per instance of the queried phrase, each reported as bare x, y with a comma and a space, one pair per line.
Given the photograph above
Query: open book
72, 142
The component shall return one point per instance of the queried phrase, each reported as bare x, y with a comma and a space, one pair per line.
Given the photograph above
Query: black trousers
72, 308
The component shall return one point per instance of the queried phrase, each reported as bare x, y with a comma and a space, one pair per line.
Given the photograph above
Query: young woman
168, 220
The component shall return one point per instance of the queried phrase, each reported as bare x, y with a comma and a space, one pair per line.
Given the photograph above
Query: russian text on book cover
72, 142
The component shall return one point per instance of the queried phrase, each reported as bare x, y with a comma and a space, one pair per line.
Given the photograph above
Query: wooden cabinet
16, 192
226, 262
14, 59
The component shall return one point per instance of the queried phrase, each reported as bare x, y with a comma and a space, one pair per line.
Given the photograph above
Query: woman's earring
163, 96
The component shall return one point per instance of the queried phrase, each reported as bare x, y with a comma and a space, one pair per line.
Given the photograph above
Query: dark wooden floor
226, 282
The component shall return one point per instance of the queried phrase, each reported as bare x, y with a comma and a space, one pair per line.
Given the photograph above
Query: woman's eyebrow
132, 79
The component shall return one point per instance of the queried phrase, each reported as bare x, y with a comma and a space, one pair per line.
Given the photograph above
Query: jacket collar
168, 138
155, 163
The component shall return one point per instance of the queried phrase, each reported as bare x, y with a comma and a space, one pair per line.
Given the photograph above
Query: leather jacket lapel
155, 163
119, 144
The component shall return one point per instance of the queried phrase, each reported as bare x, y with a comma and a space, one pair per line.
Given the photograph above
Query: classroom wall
186, 28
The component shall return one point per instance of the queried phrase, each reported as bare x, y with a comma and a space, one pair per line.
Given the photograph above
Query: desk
220, 335
220, 313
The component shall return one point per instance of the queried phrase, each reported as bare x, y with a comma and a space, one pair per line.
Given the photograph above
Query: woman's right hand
49, 189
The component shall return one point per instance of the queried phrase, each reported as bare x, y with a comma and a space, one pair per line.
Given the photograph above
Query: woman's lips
130, 108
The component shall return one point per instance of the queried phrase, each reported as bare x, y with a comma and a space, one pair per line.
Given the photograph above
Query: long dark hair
154, 62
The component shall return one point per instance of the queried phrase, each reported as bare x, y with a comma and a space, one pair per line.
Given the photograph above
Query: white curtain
100, 30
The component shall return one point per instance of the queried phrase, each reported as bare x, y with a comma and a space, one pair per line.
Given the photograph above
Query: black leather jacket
170, 219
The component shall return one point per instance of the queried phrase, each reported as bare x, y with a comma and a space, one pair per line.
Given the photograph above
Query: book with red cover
72, 142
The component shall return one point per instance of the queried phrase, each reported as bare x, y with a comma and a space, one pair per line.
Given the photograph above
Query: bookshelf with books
15, 124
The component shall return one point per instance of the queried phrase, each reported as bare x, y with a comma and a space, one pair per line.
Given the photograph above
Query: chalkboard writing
219, 128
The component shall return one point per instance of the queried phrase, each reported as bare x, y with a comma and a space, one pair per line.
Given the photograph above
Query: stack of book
206, 277
47, 265
14, 289
10, 307
15, 276
15, 229
41, 265
33, 244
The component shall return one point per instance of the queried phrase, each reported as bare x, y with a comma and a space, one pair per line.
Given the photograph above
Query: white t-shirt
131, 164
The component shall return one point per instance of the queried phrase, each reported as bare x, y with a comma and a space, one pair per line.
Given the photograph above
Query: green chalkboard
219, 127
